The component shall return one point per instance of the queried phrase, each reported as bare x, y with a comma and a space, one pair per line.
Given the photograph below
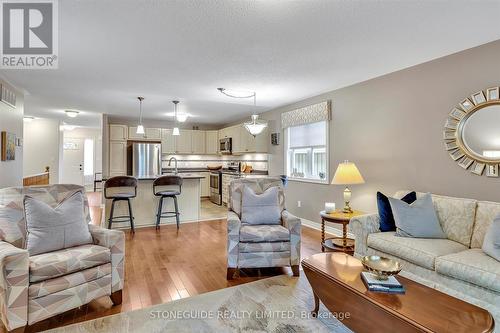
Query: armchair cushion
53, 264
264, 233
260, 208
51, 229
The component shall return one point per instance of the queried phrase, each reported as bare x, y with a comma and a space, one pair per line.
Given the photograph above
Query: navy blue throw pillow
385, 211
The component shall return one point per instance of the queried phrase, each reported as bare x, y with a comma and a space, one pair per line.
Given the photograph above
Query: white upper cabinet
198, 142
167, 141
212, 142
118, 132
150, 134
184, 142
234, 133
153, 133
261, 141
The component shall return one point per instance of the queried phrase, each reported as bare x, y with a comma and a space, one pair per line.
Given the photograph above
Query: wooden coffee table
336, 281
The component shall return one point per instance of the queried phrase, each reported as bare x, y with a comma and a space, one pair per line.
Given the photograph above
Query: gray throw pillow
417, 219
260, 208
491, 243
51, 229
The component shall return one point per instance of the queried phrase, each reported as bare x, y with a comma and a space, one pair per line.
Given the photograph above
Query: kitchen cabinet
234, 132
184, 142
261, 141
205, 184
167, 141
153, 134
118, 132
117, 158
223, 133
211, 142
198, 142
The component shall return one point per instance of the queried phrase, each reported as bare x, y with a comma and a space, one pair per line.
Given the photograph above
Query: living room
206, 218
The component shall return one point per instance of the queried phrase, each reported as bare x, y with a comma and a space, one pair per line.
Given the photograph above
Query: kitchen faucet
175, 165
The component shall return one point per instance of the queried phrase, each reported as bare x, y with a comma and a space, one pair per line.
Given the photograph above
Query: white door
73, 157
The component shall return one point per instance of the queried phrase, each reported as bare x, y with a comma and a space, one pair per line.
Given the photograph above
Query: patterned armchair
33, 288
252, 246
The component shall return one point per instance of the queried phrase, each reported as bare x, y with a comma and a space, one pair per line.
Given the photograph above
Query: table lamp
347, 174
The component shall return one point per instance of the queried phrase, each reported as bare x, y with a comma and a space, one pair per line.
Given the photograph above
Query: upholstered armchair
252, 246
33, 288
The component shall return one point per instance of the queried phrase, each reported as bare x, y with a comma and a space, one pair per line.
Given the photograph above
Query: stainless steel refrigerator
146, 159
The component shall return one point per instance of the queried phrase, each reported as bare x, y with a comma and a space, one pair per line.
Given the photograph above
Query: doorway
73, 161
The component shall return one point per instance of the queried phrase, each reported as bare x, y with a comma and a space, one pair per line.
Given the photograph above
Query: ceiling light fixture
72, 113
254, 126
140, 127
182, 117
67, 127
176, 129
236, 93
28, 119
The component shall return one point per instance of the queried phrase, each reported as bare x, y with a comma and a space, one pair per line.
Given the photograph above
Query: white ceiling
112, 51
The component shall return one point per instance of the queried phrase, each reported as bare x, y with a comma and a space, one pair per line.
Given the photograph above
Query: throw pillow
385, 212
260, 208
491, 243
418, 219
51, 229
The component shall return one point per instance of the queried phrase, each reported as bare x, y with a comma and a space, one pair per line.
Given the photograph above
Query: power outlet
299, 204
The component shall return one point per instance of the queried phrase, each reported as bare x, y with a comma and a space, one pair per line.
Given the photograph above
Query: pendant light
176, 129
140, 127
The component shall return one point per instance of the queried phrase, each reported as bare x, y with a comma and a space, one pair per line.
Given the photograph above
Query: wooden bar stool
117, 182
170, 193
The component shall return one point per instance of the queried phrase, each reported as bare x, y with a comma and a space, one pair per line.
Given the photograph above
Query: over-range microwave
225, 146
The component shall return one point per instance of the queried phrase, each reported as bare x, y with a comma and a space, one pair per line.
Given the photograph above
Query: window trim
326, 181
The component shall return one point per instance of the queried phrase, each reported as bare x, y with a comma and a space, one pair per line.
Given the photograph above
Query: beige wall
42, 139
11, 120
391, 127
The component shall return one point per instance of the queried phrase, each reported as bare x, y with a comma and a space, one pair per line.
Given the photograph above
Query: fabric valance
308, 114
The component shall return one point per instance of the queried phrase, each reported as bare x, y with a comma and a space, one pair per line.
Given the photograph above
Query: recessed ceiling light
72, 113
28, 119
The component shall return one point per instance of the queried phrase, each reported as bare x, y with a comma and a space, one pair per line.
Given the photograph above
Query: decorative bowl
380, 266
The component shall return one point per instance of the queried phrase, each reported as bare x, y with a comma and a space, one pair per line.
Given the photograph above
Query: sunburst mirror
472, 133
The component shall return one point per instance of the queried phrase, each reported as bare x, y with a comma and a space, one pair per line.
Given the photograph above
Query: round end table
338, 244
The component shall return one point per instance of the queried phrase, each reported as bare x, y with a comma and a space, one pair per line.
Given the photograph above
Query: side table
338, 244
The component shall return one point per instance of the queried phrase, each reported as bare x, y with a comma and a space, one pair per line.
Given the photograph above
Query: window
307, 152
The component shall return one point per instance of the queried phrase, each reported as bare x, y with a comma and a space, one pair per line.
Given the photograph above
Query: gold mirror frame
453, 133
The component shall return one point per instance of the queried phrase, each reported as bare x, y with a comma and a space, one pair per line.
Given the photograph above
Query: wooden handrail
38, 179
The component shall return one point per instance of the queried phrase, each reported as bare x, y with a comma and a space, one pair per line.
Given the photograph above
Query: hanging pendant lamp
176, 128
140, 127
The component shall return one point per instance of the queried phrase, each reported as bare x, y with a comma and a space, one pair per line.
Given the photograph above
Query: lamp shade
347, 173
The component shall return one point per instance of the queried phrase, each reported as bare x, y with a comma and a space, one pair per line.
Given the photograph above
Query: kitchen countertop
182, 175
224, 171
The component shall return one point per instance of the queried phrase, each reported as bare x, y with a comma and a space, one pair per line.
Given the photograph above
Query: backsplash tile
257, 161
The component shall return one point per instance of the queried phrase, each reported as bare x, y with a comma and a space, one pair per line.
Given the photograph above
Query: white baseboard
328, 228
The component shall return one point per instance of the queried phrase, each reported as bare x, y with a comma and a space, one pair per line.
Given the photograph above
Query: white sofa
455, 263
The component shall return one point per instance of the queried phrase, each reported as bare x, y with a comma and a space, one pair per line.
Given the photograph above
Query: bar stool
116, 182
170, 193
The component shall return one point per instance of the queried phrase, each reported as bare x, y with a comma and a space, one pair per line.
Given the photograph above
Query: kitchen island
145, 205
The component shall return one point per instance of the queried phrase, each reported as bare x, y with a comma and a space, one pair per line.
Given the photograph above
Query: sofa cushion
47, 287
486, 212
53, 264
385, 211
55, 228
417, 219
491, 244
264, 233
419, 251
246, 247
473, 266
456, 216
260, 208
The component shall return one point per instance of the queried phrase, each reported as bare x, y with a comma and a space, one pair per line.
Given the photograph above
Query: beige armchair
252, 246
33, 288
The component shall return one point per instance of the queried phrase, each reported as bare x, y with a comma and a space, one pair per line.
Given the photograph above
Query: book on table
391, 285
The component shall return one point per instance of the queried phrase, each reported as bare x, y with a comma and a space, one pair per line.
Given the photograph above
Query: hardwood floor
169, 264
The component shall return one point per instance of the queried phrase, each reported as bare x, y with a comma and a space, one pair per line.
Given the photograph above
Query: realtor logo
29, 37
